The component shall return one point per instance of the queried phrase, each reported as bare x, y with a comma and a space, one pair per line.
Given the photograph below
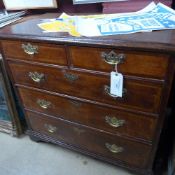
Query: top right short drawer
141, 64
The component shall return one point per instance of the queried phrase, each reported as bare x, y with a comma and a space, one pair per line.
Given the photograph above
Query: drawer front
132, 153
110, 120
135, 63
139, 95
47, 53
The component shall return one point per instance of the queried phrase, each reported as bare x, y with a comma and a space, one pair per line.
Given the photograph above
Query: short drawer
97, 143
134, 63
138, 95
47, 53
107, 119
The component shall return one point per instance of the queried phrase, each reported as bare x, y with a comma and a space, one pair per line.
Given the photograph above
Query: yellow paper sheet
59, 26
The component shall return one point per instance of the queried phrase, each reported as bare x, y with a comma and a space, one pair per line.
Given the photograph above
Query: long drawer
110, 120
97, 143
47, 53
137, 95
133, 63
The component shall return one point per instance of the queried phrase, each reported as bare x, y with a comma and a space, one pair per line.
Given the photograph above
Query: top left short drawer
37, 52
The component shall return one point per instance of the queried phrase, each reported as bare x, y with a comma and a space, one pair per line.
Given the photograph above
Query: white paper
87, 27
116, 84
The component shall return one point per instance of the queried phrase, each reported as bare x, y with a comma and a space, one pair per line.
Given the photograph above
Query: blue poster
161, 17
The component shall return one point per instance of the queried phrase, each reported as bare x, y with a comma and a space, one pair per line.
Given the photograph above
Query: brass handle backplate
43, 103
107, 91
114, 148
113, 58
71, 77
30, 49
114, 122
50, 128
75, 103
78, 131
36, 77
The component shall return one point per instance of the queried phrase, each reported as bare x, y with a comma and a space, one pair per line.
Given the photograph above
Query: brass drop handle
36, 77
114, 122
113, 58
30, 49
50, 128
71, 77
114, 148
43, 103
107, 91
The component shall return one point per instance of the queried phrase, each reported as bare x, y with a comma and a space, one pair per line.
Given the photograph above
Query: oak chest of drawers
64, 87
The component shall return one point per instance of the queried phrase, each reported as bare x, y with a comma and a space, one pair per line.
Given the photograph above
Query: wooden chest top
27, 29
